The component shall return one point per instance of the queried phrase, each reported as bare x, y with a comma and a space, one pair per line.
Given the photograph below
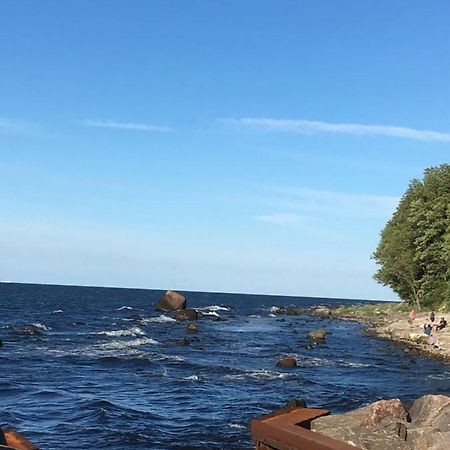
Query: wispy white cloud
334, 202
133, 126
15, 126
284, 218
355, 129
305, 206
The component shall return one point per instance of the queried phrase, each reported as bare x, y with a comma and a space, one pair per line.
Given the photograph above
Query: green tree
414, 249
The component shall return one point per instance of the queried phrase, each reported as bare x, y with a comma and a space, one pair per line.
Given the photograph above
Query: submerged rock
317, 335
186, 314
171, 301
192, 328
31, 330
287, 362
294, 311
182, 341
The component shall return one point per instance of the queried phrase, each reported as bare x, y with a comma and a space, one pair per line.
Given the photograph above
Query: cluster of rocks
393, 425
290, 362
176, 303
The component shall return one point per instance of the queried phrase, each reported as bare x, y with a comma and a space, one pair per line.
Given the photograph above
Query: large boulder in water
171, 301
186, 314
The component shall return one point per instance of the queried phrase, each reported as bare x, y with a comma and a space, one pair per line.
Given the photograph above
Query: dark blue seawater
94, 378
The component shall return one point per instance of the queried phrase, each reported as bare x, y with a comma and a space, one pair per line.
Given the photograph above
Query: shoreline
389, 322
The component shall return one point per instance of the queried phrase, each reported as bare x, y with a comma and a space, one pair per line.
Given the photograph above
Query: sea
104, 370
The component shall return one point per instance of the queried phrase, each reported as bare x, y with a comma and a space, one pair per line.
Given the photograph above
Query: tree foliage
414, 249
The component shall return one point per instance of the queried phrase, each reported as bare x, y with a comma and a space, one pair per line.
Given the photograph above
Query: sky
236, 146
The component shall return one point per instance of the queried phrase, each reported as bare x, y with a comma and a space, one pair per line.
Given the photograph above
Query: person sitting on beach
412, 316
442, 324
432, 316
427, 328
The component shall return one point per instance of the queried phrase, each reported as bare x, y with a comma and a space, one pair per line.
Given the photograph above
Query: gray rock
372, 427
386, 425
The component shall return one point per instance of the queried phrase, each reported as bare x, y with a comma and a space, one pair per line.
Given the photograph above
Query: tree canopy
414, 249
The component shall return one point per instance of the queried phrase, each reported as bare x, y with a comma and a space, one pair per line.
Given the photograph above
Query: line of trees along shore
414, 249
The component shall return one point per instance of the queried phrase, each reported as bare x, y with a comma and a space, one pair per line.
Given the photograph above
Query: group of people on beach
428, 326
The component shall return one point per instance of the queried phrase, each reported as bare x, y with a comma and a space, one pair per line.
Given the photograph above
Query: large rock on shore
387, 424
171, 301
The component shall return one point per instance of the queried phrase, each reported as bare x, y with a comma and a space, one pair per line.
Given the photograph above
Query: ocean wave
192, 378
238, 426
214, 308
129, 308
258, 374
134, 331
41, 326
160, 319
120, 345
58, 311
209, 314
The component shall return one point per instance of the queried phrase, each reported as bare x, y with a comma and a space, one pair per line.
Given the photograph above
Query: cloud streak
315, 203
131, 126
11, 126
354, 129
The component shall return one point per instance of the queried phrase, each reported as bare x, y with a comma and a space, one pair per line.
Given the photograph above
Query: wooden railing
290, 430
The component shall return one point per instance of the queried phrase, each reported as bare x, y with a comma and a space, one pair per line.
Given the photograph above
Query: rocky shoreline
390, 322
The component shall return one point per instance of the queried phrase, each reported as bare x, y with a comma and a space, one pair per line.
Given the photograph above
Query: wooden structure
290, 430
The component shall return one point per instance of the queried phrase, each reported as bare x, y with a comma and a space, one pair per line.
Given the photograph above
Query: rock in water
171, 301
287, 362
186, 314
192, 328
294, 311
317, 334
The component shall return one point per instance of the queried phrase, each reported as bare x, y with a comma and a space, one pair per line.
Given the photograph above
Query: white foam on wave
119, 345
210, 314
275, 309
124, 307
134, 331
161, 319
192, 378
238, 426
324, 362
41, 326
214, 308
58, 311
258, 374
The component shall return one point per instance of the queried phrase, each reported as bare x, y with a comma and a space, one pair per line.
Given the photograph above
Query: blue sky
238, 146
